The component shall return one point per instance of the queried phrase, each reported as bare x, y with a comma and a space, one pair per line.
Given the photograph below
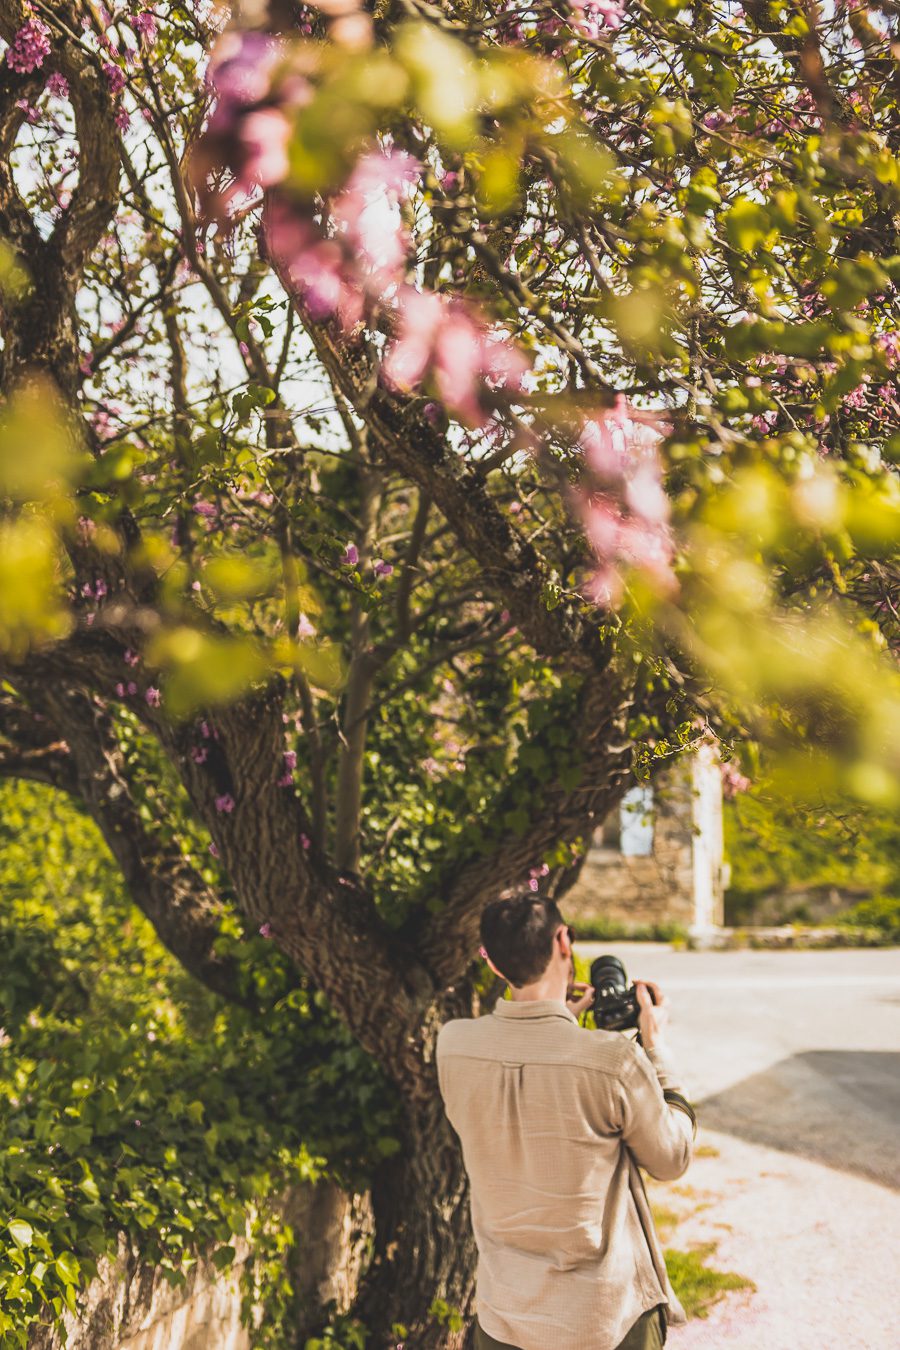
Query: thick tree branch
182, 909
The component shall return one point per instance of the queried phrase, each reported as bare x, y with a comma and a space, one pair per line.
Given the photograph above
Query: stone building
658, 857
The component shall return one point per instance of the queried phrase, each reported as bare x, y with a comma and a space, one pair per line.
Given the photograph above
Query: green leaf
22, 1232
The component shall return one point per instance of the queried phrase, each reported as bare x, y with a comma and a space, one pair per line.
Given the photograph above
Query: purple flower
351, 555
207, 509
199, 753
266, 930
382, 569
225, 803
144, 24
305, 841
290, 760
30, 47
122, 119
120, 690
115, 77
100, 587
214, 850
131, 658
285, 780
153, 696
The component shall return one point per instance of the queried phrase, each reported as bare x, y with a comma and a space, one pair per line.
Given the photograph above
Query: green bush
881, 913
601, 929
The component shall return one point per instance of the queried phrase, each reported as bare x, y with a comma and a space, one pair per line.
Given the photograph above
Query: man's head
518, 935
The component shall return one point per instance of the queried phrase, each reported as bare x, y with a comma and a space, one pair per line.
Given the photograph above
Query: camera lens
608, 977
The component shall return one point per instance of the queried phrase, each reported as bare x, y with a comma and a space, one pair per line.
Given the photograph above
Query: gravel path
822, 1247
793, 1061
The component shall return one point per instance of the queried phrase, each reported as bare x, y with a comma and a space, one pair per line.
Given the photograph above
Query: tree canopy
420, 419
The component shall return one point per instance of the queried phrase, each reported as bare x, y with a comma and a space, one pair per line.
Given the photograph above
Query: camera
616, 1007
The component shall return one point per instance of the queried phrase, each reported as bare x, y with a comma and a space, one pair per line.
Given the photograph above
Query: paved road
793, 1059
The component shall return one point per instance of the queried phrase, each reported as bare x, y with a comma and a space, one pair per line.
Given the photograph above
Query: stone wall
131, 1307
680, 880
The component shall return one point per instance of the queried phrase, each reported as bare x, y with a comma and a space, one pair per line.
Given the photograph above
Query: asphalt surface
793, 1062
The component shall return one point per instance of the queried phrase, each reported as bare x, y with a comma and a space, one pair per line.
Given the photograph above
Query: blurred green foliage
776, 844
880, 913
133, 1101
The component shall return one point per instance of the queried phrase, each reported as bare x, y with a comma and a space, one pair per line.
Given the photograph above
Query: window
628, 829
636, 822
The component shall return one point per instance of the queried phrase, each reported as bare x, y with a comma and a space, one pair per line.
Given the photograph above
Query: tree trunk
424, 1249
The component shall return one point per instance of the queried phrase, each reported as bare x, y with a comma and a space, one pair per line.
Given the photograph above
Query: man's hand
653, 1016
579, 1005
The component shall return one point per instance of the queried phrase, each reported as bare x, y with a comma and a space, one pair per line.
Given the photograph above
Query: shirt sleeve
658, 1124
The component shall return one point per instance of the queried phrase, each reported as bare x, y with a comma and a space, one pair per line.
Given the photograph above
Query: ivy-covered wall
133, 1101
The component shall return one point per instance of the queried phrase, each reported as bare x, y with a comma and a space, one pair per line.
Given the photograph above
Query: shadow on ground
837, 1107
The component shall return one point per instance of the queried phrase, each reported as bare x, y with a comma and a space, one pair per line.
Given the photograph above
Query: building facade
658, 857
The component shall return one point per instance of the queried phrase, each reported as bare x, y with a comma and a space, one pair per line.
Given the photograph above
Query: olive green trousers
648, 1333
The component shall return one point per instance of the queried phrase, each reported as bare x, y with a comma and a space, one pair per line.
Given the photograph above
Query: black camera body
616, 1007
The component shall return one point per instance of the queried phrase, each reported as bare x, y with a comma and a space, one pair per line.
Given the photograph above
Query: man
554, 1120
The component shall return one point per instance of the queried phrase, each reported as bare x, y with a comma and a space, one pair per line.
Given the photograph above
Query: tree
431, 421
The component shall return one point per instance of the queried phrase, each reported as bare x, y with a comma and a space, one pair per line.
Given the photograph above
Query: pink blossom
214, 850
153, 696
115, 77
367, 211
225, 803
889, 345
241, 66
31, 113
144, 24
58, 85
120, 689
312, 267
199, 754
263, 139
350, 555
30, 47
645, 496
285, 780
265, 930
381, 568
290, 760
592, 16
305, 841
122, 119
443, 335
305, 629
733, 781
131, 658
206, 509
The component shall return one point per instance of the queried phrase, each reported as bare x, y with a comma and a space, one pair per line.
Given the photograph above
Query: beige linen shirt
554, 1120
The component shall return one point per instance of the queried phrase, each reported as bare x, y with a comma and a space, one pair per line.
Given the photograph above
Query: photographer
554, 1120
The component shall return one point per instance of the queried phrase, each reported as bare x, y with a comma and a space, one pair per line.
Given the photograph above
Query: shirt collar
534, 1007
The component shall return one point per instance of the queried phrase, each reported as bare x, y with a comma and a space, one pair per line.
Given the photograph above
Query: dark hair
517, 934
